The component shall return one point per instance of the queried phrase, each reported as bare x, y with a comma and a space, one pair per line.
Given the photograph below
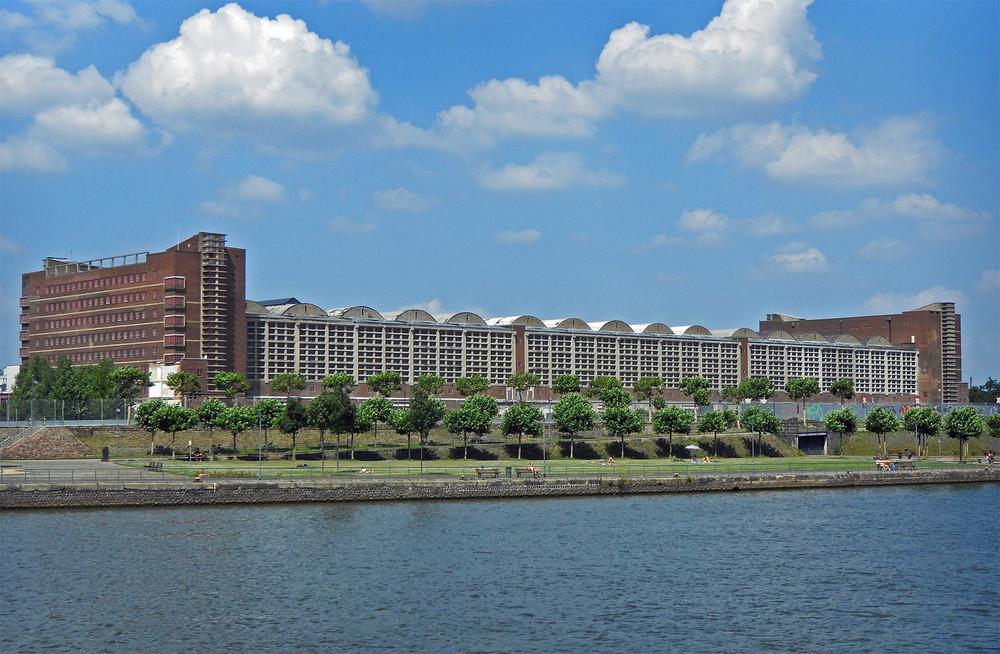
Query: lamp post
260, 447
117, 429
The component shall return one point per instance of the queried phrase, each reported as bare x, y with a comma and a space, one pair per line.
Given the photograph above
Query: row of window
91, 356
99, 337
100, 282
99, 319
93, 302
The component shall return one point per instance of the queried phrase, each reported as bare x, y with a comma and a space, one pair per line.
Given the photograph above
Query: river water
904, 569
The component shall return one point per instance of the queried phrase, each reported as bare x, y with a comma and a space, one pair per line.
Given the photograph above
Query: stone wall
40, 496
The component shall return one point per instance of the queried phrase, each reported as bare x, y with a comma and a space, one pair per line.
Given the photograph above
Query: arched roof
529, 321
611, 326
358, 313
738, 332
465, 318
566, 323
691, 330
652, 328
779, 335
300, 309
415, 315
255, 307
813, 337
844, 338
878, 340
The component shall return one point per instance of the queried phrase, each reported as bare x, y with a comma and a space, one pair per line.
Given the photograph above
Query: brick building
185, 306
935, 331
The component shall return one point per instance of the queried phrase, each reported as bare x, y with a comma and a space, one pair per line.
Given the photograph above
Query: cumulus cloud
703, 220
881, 249
515, 238
755, 53
896, 302
799, 257
989, 281
898, 150
553, 170
230, 68
51, 26
29, 84
770, 224
345, 225
400, 199
244, 198
9, 246
256, 188
931, 217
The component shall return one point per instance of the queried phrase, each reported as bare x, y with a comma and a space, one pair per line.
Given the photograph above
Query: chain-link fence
63, 411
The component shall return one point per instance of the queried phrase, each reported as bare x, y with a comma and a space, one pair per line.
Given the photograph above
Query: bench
896, 465
490, 472
530, 470
154, 466
899, 453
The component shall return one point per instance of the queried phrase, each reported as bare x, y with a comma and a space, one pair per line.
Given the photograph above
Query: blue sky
683, 162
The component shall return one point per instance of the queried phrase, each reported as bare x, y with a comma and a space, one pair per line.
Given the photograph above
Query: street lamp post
260, 448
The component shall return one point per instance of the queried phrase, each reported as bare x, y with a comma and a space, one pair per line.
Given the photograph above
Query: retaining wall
47, 496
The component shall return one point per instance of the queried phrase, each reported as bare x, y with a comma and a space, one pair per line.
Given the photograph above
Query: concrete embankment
231, 491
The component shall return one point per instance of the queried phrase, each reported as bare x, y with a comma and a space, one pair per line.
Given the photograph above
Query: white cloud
256, 188
756, 52
882, 249
515, 238
551, 170
50, 26
932, 218
899, 150
770, 224
799, 257
21, 153
658, 242
703, 220
10, 246
230, 68
896, 302
400, 199
29, 84
989, 281
345, 225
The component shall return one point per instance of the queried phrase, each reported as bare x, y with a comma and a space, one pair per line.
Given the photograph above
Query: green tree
99, 380
474, 415
184, 384
762, 421
963, 424
521, 419
340, 380
472, 385
128, 383
733, 395
926, 423
210, 415
172, 419
69, 388
385, 383
698, 389
713, 421
563, 384
993, 423
145, 417
843, 421
426, 412
573, 414
986, 393
843, 389
34, 380
401, 423
231, 383
621, 421
756, 388
376, 410
362, 423
646, 388
880, 421
332, 411
672, 420
431, 384
238, 419
603, 386
801, 388
269, 410
288, 383
521, 382
292, 419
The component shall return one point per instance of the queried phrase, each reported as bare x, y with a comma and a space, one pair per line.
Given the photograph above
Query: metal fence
62, 412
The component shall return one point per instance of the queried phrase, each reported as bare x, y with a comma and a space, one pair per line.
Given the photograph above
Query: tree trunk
409, 450
173, 446
571, 445
465, 444
519, 445
293, 447
375, 440
234, 445
338, 450
322, 455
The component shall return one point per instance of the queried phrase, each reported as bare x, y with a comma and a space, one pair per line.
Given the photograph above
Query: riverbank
223, 491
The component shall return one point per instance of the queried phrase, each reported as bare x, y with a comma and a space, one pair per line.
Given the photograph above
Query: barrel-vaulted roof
566, 323
737, 332
507, 321
652, 328
357, 313
692, 330
415, 315
255, 307
813, 337
878, 340
843, 338
465, 318
779, 335
611, 326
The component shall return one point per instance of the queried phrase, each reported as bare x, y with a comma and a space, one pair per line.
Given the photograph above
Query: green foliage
985, 393
659, 402
401, 423
602, 385
425, 411
756, 388
573, 414
843, 389
993, 422
616, 397
340, 380
385, 383
842, 421
333, 411
183, 383
621, 421
698, 389
923, 420
128, 382
472, 385
880, 421
172, 419
474, 415
373, 411
963, 424
522, 381
210, 413
430, 384
732, 418
34, 380
712, 421
521, 419
563, 384
287, 382
672, 420
238, 419
145, 417
761, 420
732, 395
231, 383
801, 388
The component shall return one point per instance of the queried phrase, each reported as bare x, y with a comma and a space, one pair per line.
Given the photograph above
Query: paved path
78, 471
